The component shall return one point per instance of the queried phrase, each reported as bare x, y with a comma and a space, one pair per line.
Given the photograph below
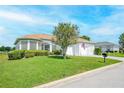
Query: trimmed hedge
18, 54
32, 53
29, 54
41, 53
98, 51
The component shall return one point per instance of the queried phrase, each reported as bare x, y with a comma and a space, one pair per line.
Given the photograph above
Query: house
107, 46
45, 42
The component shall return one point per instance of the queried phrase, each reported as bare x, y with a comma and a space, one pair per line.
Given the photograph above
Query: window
45, 46
32, 45
24, 45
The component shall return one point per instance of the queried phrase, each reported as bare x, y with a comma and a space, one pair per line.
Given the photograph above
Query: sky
100, 23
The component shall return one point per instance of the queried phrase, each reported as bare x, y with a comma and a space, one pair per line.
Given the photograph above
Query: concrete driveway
112, 77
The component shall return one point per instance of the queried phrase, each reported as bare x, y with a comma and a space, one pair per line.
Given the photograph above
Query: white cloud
30, 19
2, 31
111, 25
51, 18
45, 21
16, 16
103, 31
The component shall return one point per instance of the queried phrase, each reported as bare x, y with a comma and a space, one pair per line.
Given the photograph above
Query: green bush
97, 51
16, 54
57, 52
29, 54
38, 52
41, 53
50, 53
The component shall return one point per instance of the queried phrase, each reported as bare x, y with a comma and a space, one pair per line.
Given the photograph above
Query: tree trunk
64, 53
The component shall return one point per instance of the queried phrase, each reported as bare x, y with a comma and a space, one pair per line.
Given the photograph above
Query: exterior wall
86, 49
39, 46
17, 46
81, 49
73, 50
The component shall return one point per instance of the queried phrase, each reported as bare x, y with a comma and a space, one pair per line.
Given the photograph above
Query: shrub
51, 53
29, 54
111, 51
41, 53
97, 51
16, 54
57, 52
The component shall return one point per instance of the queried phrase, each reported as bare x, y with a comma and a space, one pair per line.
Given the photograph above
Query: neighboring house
107, 46
45, 42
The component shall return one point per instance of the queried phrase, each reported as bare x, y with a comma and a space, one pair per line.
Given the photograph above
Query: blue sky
101, 23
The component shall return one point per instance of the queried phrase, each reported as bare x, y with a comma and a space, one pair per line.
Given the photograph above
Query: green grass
3, 57
39, 70
116, 54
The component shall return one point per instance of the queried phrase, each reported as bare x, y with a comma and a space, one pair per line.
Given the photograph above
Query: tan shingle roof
49, 37
46, 36
39, 36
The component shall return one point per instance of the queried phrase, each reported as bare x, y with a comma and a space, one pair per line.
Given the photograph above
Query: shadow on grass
58, 57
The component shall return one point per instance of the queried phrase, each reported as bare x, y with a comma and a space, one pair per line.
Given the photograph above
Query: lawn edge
52, 83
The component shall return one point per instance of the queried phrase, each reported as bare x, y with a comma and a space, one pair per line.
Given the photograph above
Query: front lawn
3, 57
39, 70
116, 54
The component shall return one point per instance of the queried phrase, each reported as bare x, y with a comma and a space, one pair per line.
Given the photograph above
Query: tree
121, 42
13, 48
2, 48
66, 34
85, 37
7, 48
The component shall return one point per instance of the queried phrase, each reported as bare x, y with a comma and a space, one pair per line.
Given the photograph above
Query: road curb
75, 76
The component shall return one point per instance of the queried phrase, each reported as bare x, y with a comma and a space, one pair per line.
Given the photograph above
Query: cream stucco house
45, 42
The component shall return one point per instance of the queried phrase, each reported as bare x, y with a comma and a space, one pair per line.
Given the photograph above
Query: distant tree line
6, 48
